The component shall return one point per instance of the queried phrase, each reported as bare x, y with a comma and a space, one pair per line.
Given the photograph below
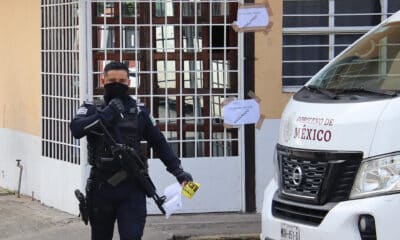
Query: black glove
183, 176
116, 106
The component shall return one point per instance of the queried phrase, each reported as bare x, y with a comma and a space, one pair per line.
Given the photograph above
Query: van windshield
373, 64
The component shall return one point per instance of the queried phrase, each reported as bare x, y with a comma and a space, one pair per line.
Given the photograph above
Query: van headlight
377, 176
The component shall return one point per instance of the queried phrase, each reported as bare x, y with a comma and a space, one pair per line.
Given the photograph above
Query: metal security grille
183, 57
316, 31
60, 78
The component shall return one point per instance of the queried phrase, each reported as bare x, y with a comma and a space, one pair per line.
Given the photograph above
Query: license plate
289, 232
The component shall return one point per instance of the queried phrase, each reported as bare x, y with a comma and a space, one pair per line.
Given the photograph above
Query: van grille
313, 176
317, 177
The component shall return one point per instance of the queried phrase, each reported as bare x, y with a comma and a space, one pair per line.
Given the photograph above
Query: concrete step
5, 192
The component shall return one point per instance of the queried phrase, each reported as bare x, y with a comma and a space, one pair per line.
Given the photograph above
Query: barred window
184, 61
60, 78
315, 31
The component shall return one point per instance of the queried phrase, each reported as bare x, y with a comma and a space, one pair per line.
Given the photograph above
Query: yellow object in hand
190, 189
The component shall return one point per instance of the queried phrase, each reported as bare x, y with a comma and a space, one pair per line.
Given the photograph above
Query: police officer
128, 124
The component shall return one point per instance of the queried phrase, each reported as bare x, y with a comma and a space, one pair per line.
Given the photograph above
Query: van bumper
341, 222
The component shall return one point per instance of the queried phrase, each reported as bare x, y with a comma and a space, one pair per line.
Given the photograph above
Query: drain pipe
21, 168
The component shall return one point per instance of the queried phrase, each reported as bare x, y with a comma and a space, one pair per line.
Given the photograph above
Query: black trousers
125, 203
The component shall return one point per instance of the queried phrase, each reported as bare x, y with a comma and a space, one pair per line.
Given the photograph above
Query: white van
338, 156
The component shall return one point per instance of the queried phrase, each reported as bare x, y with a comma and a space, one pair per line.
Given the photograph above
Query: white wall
52, 181
58, 183
266, 139
17, 145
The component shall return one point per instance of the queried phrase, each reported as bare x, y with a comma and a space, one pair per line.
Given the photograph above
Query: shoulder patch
82, 111
88, 102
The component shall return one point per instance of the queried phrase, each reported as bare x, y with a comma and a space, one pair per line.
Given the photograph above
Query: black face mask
115, 90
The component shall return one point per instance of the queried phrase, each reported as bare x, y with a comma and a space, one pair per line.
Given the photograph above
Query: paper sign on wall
241, 112
252, 17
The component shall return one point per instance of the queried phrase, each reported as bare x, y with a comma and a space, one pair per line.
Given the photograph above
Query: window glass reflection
105, 11
218, 148
105, 37
128, 9
220, 9
188, 9
220, 74
164, 7
129, 37
165, 39
192, 42
193, 74
190, 146
165, 109
133, 67
216, 109
193, 107
166, 74
172, 137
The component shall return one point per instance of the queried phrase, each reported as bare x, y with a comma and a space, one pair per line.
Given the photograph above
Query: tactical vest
125, 131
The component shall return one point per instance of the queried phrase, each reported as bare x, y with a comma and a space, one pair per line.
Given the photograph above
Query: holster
85, 203
83, 207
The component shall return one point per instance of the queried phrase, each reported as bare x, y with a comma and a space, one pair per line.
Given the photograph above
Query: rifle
132, 163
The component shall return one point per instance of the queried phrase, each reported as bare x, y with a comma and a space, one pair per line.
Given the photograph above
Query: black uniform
126, 202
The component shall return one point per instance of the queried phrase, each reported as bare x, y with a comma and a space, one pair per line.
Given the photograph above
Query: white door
184, 61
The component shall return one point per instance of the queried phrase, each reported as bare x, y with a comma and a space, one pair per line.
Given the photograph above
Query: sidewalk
23, 219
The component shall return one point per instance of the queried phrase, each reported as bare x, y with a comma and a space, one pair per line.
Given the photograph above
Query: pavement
22, 218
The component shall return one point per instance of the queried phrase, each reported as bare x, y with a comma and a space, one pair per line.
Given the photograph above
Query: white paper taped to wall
241, 112
252, 18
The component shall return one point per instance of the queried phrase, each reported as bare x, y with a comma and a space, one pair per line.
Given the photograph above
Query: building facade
185, 60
